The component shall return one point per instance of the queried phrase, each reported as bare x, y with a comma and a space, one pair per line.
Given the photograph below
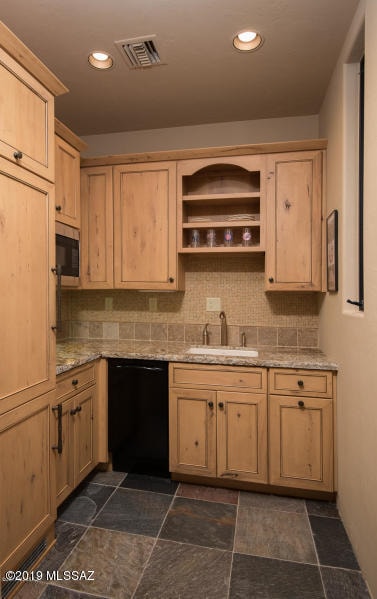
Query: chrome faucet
243, 339
223, 329
205, 334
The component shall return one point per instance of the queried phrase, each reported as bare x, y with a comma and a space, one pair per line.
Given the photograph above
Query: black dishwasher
138, 416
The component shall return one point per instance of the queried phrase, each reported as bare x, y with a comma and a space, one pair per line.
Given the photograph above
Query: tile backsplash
274, 318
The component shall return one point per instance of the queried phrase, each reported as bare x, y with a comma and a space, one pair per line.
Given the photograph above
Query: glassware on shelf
211, 237
195, 238
228, 237
246, 236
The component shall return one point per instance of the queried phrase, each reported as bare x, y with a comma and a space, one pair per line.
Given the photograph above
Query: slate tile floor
146, 537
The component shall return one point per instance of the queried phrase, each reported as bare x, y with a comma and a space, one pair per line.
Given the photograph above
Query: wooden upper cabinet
67, 183
26, 119
145, 252
294, 222
97, 228
27, 300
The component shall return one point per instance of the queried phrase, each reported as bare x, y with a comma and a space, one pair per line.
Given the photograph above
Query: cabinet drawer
316, 383
74, 380
219, 377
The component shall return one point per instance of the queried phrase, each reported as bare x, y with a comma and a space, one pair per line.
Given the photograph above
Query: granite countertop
72, 353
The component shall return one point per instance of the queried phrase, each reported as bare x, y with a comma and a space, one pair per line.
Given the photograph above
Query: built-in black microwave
67, 250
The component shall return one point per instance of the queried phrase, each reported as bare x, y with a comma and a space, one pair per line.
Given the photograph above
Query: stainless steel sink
224, 351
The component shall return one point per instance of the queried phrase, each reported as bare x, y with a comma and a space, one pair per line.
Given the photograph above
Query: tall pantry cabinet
27, 303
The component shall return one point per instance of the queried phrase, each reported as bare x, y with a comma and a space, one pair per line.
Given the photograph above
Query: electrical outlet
108, 303
213, 304
153, 304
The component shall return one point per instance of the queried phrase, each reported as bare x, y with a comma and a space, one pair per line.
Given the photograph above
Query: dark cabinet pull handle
58, 208
301, 404
59, 410
300, 383
73, 411
221, 405
271, 279
210, 404
17, 155
75, 382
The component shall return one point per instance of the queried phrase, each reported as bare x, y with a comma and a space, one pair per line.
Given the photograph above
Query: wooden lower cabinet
81, 399
218, 432
221, 428
27, 500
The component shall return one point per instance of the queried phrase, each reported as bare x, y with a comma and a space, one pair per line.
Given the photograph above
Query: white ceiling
204, 79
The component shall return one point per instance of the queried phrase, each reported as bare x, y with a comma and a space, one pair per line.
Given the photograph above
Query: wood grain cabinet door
294, 222
145, 248
242, 436
192, 431
67, 183
301, 442
84, 433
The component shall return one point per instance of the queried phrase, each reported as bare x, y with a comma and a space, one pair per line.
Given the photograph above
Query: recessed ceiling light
100, 60
247, 40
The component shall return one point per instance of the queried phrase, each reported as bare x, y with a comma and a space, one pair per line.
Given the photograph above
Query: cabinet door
192, 431
67, 183
145, 249
97, 228
294, 225
26, 119
27, 500
301, 442
84, 433
27, 298
64, 461
242, 436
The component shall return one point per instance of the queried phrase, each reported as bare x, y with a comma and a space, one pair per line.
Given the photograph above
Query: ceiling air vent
139, 52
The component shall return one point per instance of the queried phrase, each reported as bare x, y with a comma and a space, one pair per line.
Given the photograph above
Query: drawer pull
75, 410
17, 155
75, 382
301, 404
300, 383
210, 404
59, 410
221, 405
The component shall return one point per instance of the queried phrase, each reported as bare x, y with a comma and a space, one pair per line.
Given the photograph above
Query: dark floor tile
262, 578
183, 571
52, 592
344, 584
144, 482
275, 534
208, 493
200, 523
67, 536
138, 512
322, 508
332, 543
117, 559
272, 502
111, 478
84, 504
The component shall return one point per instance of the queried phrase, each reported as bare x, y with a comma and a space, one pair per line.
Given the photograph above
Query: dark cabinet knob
300, 383
75, 382
221, 405
210, 404
79, 408
271, 279
301, 404
58, 208
171, 280
17, 155
73, 411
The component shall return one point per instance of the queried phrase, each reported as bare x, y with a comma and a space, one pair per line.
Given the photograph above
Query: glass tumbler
211, 237
246, 236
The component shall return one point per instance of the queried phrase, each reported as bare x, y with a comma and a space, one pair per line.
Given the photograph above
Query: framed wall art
332, 250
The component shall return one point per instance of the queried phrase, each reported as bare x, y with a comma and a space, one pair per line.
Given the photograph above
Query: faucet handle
243, 339
205, 334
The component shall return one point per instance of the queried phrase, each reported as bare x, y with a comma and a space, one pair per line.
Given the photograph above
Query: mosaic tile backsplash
279, 319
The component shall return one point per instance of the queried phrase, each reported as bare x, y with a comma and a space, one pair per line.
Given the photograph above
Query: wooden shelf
219, 197
224, 224
222, 249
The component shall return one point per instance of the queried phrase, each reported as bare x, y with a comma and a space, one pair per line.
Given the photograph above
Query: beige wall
203, 136
345, 335
267, 318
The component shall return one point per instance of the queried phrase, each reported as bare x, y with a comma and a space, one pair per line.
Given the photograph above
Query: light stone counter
72, 353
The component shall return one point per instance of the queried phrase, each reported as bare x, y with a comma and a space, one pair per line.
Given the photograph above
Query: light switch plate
213, 304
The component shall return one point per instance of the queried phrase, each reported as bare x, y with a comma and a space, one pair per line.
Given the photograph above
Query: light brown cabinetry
294, 222
97, 261
301, 430
145, 248
218, 421
26, 119
220, 194
80, 425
